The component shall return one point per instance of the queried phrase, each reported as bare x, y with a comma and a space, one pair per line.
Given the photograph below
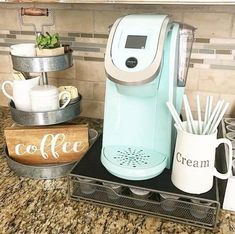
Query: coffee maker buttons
131, 62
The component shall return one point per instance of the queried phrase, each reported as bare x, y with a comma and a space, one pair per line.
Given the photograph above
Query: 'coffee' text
50, 144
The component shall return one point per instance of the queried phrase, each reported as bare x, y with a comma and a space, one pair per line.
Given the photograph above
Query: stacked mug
28, 95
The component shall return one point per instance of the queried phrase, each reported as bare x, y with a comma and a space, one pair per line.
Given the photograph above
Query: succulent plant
48, 41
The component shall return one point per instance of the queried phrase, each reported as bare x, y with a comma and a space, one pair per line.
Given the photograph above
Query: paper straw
211, 118
216, 115
210, 106
220, 117
206, 113
175, 115
199, 115
189, 114
189, 127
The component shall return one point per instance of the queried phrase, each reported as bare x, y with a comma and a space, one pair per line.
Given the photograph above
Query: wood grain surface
47, 144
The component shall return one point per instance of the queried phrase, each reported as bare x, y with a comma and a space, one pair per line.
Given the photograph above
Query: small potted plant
49, 45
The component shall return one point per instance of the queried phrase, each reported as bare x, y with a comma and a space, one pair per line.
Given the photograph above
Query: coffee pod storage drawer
156, 197
184, 209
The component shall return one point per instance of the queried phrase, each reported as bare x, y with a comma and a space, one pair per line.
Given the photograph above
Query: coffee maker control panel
135, 45
132, 51
134, 42
135, 48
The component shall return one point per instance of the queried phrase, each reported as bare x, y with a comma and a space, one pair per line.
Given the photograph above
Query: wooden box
47, 144
50, 52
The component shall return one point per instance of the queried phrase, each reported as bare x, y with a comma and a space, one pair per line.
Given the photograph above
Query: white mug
194, 161
24, 49
20, 92
47, 98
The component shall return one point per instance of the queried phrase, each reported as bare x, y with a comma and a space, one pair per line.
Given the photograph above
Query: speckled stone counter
42, 206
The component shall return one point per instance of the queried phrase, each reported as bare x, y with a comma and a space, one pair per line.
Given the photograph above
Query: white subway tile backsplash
91, 40
3, 48
231, 99
220, 62
221, 40
99, 91
67, 74
210, 24
192, 79
90, 54
5, 66
199, 45
90, 71
9, 19
74, 20
233, 28
201, 65
85, 28
92, 109
26, 37
191, 94
228, 57
203, 56
86, 89
103, 19
218, 81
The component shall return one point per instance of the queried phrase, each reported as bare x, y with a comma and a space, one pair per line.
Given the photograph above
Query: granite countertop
42, 206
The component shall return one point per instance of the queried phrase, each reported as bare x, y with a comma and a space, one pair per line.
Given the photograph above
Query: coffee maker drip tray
133, 163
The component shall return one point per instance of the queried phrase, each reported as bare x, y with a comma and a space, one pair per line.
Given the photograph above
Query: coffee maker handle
230, 158
4, 91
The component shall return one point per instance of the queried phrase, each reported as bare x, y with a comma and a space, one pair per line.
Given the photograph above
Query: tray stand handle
36, 12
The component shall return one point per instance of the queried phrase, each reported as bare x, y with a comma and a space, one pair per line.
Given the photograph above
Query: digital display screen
135, 42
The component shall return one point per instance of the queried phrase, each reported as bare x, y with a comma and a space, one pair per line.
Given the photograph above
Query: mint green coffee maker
146, 63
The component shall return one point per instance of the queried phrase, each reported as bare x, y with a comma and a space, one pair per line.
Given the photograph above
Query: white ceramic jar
47, 98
